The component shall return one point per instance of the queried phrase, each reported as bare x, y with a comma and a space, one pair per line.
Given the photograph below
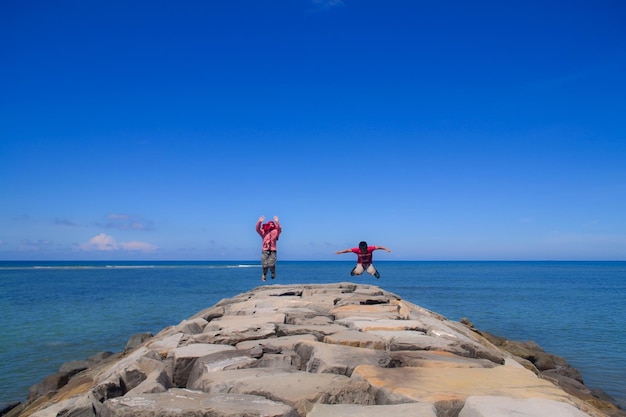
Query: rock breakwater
318, 351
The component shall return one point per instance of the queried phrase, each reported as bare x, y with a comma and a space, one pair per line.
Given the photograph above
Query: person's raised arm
278, 227
382, 248
258, 225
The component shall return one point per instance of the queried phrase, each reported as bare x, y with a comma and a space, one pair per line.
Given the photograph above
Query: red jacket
269, 236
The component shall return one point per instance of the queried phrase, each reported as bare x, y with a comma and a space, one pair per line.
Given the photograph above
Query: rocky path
317, 351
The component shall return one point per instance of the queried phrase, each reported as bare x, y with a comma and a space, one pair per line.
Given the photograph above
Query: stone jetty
324, 350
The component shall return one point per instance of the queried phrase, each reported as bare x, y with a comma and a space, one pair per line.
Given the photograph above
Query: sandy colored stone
397, 385
184, 358
387, 311
436, 359
320, 357
162, 345
394, 410
492, 406
383, 324
319, 331
242, 322
356, 339
284, 342
192, 326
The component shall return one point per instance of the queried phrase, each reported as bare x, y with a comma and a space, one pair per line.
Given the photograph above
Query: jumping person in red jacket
364, 260
269, 232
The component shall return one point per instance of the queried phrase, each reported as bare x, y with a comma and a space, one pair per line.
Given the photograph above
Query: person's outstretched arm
343, 251
382, 248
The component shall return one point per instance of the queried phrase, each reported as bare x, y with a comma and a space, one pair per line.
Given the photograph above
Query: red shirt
269, 238
364, 258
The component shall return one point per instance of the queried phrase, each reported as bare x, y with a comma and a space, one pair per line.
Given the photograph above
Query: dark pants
268, 261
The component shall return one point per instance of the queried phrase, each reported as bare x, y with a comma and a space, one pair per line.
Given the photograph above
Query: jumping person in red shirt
269, 232
364, 260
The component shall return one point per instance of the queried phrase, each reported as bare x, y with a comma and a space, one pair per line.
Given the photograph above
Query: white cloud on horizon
106, 243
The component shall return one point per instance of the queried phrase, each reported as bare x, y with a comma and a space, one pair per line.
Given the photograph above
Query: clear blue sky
444, 130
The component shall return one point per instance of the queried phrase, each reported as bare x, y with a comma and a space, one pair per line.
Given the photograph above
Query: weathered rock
287, 359
356, 338
365, 299
380, 311
162, 345
351, 410
319, 331
128, 359
528, 350
80, 406
5, 407
187, 403
193, 326
568, 384
136, 340
73, 367
183, 359
48, 384
400, 385
296, 388
220, 337
235, 329
493, 406
363, 324
284, 342
305, 318
435, 359
238, 323
324, 358
210, 313
156, 381
127, 374
219, 361
100, 357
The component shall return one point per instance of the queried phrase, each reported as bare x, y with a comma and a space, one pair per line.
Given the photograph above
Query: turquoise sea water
54, 312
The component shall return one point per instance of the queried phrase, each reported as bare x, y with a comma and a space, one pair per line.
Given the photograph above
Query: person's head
269, 226
363, 246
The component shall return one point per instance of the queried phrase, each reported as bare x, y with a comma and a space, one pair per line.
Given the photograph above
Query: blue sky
444, 130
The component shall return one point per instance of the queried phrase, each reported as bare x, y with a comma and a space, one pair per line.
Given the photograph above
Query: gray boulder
320, 357
187, 403
136, 340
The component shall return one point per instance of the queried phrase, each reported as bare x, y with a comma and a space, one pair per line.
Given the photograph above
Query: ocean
55, 312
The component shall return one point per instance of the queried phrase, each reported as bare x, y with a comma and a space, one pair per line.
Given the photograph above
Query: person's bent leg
357, 270
372, 271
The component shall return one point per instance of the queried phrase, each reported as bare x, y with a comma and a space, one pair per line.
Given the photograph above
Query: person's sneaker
263, 278
352, 272
376, 274
273, 276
